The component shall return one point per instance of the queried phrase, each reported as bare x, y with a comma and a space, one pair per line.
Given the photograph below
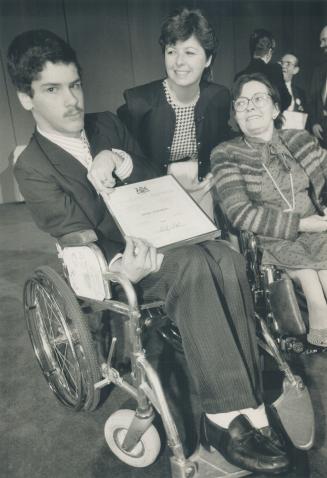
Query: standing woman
179, 119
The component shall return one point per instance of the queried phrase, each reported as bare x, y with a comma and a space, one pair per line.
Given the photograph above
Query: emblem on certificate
161, 212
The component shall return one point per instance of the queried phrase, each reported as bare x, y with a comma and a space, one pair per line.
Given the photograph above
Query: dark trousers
206, 292
323, 142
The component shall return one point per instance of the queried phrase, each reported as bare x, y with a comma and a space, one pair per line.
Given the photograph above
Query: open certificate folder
161, 212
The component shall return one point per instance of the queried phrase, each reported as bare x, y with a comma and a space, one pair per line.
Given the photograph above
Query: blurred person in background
318, 95
262, 45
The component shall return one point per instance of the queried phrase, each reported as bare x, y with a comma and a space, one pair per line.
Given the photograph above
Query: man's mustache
73, 111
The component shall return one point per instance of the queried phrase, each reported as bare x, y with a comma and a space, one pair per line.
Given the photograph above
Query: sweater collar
254, 141
269, 150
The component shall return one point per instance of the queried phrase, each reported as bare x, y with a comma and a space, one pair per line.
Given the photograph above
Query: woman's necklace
291, 206
190, 102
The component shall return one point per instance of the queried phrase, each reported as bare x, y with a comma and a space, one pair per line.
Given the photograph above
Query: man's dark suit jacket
300, 99
57, 191
316, 90
274, 74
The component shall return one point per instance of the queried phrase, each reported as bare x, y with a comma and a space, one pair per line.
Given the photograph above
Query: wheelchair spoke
53, 313
61, 339
65, 366
53, 332
55, 317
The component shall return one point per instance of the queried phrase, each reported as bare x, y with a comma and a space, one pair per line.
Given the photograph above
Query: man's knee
192, 263
186, 257
224, 254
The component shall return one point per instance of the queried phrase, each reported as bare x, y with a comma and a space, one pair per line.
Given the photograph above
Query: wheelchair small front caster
145, 451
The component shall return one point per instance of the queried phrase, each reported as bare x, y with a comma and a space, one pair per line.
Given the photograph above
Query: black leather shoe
244, 446
276, 438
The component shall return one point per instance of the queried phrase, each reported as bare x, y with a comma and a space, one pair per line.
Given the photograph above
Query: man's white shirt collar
79, 148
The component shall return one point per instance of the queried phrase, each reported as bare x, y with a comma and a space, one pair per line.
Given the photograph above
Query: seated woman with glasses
268, 181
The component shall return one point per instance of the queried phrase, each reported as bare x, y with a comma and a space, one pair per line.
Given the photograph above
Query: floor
40, 438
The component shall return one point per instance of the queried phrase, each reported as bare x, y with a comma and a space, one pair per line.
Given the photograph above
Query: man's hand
139, 260
101, 171
313, 223
317, 131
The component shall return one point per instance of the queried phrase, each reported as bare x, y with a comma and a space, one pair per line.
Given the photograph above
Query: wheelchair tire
61, 339
147, 449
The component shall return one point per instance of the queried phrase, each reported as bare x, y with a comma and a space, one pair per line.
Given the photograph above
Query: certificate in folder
161, 212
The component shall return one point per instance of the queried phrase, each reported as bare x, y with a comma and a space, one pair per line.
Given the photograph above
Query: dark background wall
117, 44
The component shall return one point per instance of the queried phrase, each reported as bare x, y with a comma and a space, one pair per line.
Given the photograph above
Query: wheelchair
278, 299
56, 311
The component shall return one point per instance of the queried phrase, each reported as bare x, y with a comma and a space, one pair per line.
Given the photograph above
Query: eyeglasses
286, 63
259, 100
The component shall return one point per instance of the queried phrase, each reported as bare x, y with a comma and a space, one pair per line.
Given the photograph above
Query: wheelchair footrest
295, 412
214, 465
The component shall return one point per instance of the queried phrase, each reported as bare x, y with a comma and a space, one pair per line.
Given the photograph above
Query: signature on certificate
170, 227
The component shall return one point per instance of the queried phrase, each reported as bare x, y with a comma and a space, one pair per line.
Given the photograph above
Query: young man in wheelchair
204, 286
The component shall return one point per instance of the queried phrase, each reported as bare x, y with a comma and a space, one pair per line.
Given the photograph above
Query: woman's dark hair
261, 41
272, 90
28, 53
184, 23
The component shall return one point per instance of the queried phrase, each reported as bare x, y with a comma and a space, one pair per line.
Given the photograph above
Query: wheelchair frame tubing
148, 387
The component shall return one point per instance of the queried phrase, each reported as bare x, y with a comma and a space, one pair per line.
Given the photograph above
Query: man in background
291, 67
262, 45
318, 95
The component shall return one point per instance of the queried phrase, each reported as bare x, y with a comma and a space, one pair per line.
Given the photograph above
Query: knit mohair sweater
237, 169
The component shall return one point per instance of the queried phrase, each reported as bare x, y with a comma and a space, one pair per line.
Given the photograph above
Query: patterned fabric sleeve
243, 212
307, 151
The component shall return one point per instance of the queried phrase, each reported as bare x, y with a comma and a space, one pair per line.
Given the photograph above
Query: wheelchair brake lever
111, 351
282, 364
106, 367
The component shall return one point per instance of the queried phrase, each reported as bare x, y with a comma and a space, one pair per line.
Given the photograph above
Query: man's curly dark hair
29, 52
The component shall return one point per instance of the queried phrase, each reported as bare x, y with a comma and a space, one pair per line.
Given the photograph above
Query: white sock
257, 417
223, 419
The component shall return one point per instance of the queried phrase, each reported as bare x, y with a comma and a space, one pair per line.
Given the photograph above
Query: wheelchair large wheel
145, 451
61, 339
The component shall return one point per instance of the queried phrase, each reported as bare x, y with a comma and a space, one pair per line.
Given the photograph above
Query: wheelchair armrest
78, 238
